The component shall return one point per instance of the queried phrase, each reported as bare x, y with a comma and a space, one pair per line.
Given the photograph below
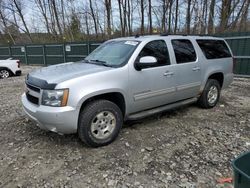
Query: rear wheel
4, 73
210, 95
100, 123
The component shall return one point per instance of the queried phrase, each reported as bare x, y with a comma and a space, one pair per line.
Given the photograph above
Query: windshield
113, 53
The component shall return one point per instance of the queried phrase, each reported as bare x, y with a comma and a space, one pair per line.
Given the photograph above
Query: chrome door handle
196, 68
167, 73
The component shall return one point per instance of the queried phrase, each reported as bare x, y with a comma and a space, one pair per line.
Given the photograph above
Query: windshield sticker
133, 43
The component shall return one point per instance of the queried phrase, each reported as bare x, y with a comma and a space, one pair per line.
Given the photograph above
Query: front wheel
100, 123
210, 95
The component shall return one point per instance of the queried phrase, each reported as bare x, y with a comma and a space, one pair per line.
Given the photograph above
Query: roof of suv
155, 37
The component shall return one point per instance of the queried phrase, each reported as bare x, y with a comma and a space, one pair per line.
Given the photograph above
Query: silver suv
127, 79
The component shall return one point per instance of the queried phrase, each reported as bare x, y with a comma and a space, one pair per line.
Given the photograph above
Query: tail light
18, 63
234, 64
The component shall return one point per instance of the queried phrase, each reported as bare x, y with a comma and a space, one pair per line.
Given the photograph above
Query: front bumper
62, 120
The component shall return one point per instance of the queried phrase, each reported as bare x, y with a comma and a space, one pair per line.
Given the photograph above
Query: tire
99, 123
4, 73
210, 95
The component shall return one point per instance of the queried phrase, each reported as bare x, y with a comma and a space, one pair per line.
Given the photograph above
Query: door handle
196, 68
167, 73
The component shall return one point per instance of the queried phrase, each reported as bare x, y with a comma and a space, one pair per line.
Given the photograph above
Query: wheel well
6, 68
114, 97
217, 76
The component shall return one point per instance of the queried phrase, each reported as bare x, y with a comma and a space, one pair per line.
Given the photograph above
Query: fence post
64, 53
44, 56
25, 54
88, 44
10, 55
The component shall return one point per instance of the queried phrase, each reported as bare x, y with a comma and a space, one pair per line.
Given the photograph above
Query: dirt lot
188, 147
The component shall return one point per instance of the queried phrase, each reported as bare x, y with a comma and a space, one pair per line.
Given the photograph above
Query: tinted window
184, 51
158, 49
214, 49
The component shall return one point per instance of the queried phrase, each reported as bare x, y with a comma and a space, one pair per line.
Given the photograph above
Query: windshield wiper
99, 62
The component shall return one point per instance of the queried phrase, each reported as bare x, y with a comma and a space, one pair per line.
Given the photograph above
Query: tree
75, 27
188, 17
243, 20
164, 11
41, 4
142, 16
176, 16
18, 6
170, 15
150, 17
108, 12
211, 17
93, 17
54, 8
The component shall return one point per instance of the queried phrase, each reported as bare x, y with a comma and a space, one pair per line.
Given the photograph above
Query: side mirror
145, 62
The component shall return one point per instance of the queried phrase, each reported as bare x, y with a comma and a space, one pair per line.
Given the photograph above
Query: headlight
57, 98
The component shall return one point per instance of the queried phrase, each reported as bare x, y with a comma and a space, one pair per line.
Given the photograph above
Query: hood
55, 74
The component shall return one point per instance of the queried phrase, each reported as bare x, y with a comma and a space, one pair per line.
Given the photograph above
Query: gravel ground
187, 147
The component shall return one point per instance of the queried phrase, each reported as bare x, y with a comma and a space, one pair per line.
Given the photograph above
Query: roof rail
137, 35
164, 34
201, 35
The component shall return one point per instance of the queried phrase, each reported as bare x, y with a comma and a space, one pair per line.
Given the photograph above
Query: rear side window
158, 49
214, 49
184, 51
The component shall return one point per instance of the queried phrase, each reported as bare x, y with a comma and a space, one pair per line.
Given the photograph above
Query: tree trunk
150, 17
188, 17
243, 21
125, 26
108, 11
129, 18
170, 16
93, 17
41, 5
54, 8
63, 15
176, 16
2, 17
163, 21
224, 15
142, 17
204, 18
211, 17
87, 24
22, 18
121, 19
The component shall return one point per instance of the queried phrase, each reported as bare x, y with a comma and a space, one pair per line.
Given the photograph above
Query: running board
150, 112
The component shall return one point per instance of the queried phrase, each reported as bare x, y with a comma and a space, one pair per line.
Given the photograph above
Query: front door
154, 85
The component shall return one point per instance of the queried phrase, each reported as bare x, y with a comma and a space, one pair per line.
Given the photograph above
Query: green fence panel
242, 66
18, 52
240, 45
93, 46
76, 52
4, 52
35, 54
54, 54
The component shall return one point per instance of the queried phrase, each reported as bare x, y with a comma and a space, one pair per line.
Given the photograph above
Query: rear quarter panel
212, 66
9, 64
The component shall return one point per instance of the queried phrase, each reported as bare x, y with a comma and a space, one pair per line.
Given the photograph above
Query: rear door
188, 68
